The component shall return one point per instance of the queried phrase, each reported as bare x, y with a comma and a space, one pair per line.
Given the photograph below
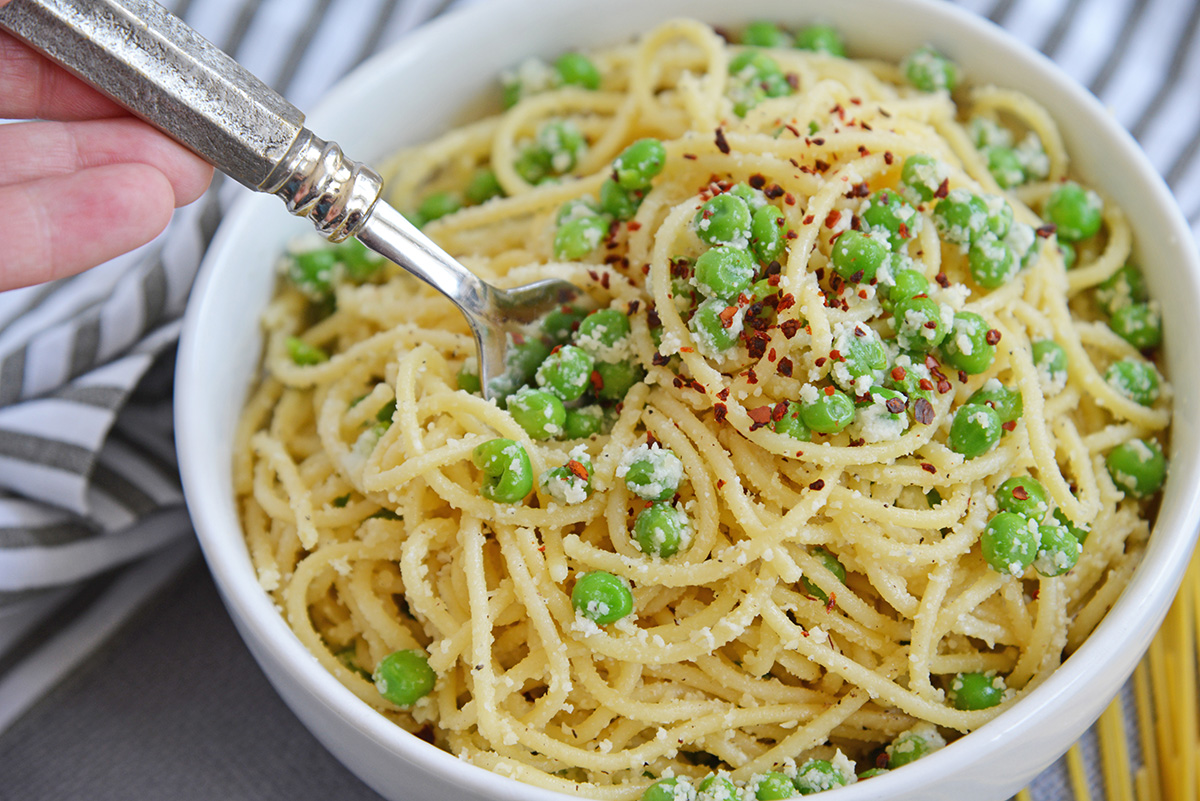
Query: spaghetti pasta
813, 484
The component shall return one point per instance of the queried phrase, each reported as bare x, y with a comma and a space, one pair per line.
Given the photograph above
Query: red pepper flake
774, 191
597, 381
836, 355
832, 602
817, 485
859, 332
931, 324
687, 349
795, 131
593, 275
789, 199
888, 158
633, 225
790, 234
678, 382
1009, 426
942, 280
862, 150
659, 360
652, 318
820, 361
690, 156
820, 165
857, 443
726, 316
518, 338
758, 180
720, 412
1046, 231
832, 218
645, 269
724, 394
784, 368
578, 469
862, 293
923, 411
793, 80
780, 411
943, 387
898, 373
992, 336
943, 189
928, 468
756, 346
1020, 493
761, 417
818, 141
604, 280
894, 405
722, 144
829, 391
808, 219
751, 376
962, 376
789, 328
859, 190
925, 384
786, 301
633, 306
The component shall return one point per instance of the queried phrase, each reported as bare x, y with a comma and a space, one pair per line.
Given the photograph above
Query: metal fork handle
153, 64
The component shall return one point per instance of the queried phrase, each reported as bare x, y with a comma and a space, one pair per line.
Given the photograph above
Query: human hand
87, 181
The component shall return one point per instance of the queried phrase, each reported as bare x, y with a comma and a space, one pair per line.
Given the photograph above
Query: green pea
582, 423
976, 690
522, 360
565, 143
468, 379
920, 326
652, 474
909, 746
907, 284
404, 677
1005, 166
713, 337
930, 71
1080, 533
570, 483
1133, 379
605, 327
1010, 543
966, 347
755, 199
857, 256
792, 424
507, 473
993, 263
724, 220
763, 33
1050, 358
1058, 551
817, 775
618, 202
576, 208
602, 597
1138, 467
1123, 288
767, 236
961, 217
718, 788
975, 431
566, 372
724, 272
665, 790
1005, 401
871, 773
821, 39
561, 323
639, 163
539, 412
314, 272
533, 164
909, 384
661, 530
304, 354
921, 177
577, 238
483, 186
988, 135
889, 214
1139, 324
386, 412
772, 785
830, 563
862, 353
439, 204
1075, 212
617, 378
999, 216
1023, 495
829, 413
754, 68
576, 69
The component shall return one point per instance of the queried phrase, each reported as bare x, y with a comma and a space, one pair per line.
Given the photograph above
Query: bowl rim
255, 610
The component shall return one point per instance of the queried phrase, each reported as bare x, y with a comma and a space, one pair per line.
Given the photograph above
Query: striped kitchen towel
91, 514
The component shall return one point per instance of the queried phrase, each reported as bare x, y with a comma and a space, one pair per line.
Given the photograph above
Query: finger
59, 226
33, 87
33, 150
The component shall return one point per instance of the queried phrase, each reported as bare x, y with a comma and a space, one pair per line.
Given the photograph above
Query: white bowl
420, 89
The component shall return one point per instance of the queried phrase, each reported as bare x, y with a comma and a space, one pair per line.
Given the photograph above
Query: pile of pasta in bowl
858, 437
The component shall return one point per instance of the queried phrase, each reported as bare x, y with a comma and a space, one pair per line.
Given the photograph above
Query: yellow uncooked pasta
812, 500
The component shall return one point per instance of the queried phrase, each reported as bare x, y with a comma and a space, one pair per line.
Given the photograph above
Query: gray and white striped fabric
91, 514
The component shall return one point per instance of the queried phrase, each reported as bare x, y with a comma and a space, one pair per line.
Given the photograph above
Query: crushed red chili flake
817, 485
943, 189
677, 382
820, 361
756, 346
659, 360
774, 191
820, 165
859, 332
786, 301
832, 218
829, 391
597, 381
578, 469
898, 373
862, 293
634, 225
928, 468
856, 223
789, 328
771, 355
723, 394
1009, 426
518, 338
687, 349
931, 324
832, 602
690, 156
790, 234
857, 443
943, 387
1046, 231
818, 141
794, 130
1020, 493
859, 190
925, 384
923, 411
793, 80
722, 145
651, 440
942, 280
862, 150
720, 412
758, 180
888, 158
779, 411
784, 368
894, 405
808, 219
652, 318
992, 336
836, 355
726, 316
645, 269
962, 376
761, 416
751, 376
